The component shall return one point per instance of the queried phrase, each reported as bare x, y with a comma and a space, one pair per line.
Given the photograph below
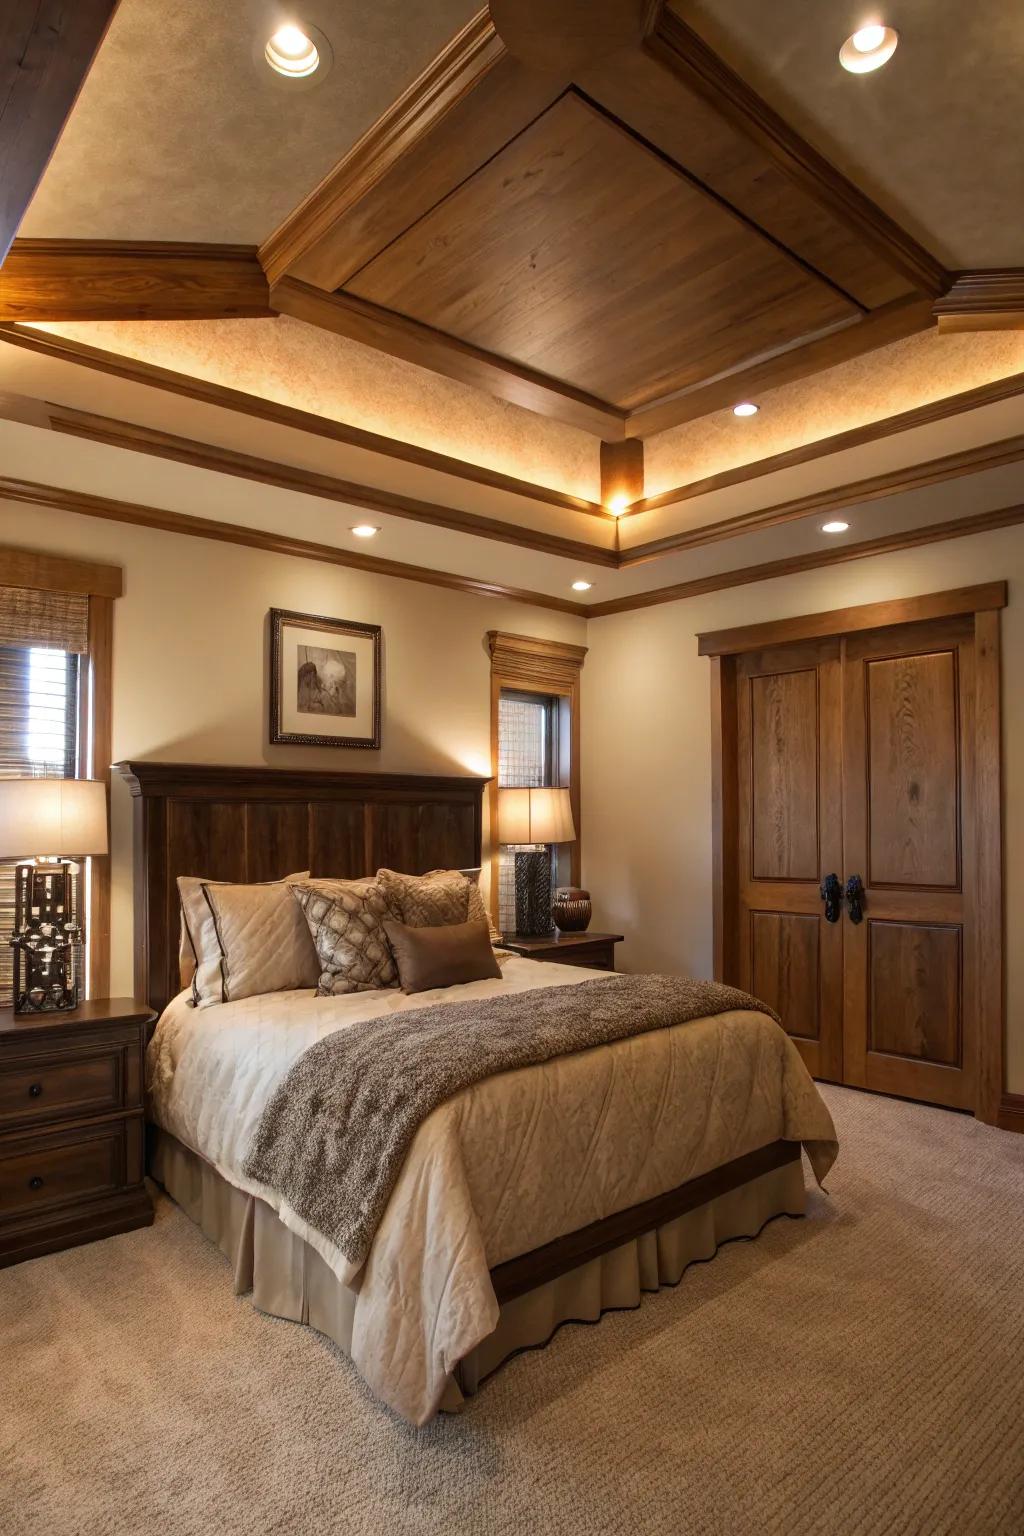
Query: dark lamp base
533, 895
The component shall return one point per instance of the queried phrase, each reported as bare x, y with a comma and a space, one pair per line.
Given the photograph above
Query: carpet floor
858, 1372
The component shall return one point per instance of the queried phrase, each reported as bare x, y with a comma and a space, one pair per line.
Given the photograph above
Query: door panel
789, 820
915, 1002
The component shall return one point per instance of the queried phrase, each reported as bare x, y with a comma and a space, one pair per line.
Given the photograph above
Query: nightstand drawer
65, 1085
41, 1171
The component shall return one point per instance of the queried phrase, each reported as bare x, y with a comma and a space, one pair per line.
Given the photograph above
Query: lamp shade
535, 816
52, 816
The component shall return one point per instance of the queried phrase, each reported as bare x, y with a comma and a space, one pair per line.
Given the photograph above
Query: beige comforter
502, 1168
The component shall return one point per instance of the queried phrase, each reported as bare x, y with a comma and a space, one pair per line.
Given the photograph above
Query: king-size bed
439, 1178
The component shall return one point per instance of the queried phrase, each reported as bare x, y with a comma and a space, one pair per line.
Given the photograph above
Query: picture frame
325, 681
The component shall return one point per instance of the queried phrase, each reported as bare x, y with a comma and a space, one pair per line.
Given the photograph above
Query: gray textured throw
334, 1136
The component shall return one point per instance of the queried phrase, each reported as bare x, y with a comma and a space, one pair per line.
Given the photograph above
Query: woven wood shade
58, 619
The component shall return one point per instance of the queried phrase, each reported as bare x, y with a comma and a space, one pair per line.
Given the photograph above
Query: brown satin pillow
441, 957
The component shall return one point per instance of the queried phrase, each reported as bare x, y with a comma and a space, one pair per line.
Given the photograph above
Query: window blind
526, 744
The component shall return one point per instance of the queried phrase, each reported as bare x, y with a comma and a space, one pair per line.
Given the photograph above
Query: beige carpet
861, 1371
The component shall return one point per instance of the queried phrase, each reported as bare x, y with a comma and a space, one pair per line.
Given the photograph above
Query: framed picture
324, 681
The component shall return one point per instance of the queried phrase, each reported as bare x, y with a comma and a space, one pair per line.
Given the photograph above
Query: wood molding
48, 48
131, 280
883, 326
983, 301
33, 494
1011, 1112
63, 349
550, 663
986, 875
875, 488
683, 51
724, 818
387, 331
987, 597
794, 565
227, 461
855, 437
96, 704
622, 471
58, 573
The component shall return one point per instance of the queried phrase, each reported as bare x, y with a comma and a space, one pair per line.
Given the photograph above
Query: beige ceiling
934, 136
180, 134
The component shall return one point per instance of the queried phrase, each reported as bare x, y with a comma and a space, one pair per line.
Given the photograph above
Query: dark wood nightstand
71, 1126
596, 950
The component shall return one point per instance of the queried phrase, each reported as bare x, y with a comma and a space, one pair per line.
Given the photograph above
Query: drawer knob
35, 1182
35, 1089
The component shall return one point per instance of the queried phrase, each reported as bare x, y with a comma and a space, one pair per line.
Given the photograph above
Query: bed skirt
289, 1279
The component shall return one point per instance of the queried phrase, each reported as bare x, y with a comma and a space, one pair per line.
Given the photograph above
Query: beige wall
647, 747
190, 670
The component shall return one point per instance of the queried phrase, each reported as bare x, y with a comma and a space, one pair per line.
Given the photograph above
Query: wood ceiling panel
579, 252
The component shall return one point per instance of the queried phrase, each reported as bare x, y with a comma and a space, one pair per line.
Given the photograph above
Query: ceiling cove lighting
617, 504
582, 586
869, 48
365, 530
292, 53
745, 408
838, 526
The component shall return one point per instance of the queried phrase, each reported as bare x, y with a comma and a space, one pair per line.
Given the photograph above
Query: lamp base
533, 895
47, 938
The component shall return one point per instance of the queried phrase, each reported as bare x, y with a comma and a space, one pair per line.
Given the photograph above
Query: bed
539, 1195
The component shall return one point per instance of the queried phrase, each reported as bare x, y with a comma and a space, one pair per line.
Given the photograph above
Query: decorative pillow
441, 957
197, 942
435, 900
264, 941
346, 920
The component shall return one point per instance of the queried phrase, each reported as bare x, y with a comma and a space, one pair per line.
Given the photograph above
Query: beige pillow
264, 943
197, 941
346, 918
441, 957
437, 899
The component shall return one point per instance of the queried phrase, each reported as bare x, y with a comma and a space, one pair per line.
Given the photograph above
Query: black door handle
832, 896
855, 899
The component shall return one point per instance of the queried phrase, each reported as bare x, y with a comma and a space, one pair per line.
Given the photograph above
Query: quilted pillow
435, 900
264, 942
198, 944
346, 920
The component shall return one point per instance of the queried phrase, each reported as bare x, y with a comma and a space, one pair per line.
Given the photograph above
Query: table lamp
47, 823
534, 816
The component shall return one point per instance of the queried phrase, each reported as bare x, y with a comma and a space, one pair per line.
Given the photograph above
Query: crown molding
983, 301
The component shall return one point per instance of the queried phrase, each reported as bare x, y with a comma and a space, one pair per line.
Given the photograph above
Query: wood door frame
982, 603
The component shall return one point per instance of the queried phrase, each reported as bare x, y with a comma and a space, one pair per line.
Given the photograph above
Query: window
527, 758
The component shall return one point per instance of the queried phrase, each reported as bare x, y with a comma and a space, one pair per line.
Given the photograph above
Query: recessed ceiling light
582, 586
298, 53
365, 530
745, 408
835, 527
868, 49
618, 504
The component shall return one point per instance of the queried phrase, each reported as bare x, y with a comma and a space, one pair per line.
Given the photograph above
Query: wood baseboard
1011, 1112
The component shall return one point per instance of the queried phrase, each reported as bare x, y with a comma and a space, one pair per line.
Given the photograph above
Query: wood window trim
551, 667
58, 573
982, 603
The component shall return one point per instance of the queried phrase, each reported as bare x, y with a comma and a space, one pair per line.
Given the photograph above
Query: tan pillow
264, 944
437, 899
441, 957
345, 918
197, 940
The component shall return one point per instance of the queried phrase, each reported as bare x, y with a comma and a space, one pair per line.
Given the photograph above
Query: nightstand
71, 1126
596, 950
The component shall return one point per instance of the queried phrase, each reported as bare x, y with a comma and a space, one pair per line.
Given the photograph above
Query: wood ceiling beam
131, 280
359, 320
983, 301
46, 49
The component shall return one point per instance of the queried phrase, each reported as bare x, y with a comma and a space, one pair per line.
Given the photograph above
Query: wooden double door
856, 905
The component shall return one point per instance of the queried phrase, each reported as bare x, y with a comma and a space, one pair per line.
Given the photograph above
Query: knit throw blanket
334, 1136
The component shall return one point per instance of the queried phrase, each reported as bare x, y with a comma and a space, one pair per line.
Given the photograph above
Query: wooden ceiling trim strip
684, 52
45, 572
892, 322
347, 315
983, 301
914, 477
183, 450
63, 349
33, 493
854, 437
622, 471
47, 51
914, 538
131, 280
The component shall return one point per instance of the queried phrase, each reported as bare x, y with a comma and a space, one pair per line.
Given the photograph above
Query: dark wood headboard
262, 823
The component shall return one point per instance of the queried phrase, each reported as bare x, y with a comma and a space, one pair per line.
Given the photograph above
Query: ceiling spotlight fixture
300, 54
582, 586
365, 530
835, 527
745, 408
618, 504
868, 49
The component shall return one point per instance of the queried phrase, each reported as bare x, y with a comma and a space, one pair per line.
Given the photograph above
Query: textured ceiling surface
180, 133
933, 136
